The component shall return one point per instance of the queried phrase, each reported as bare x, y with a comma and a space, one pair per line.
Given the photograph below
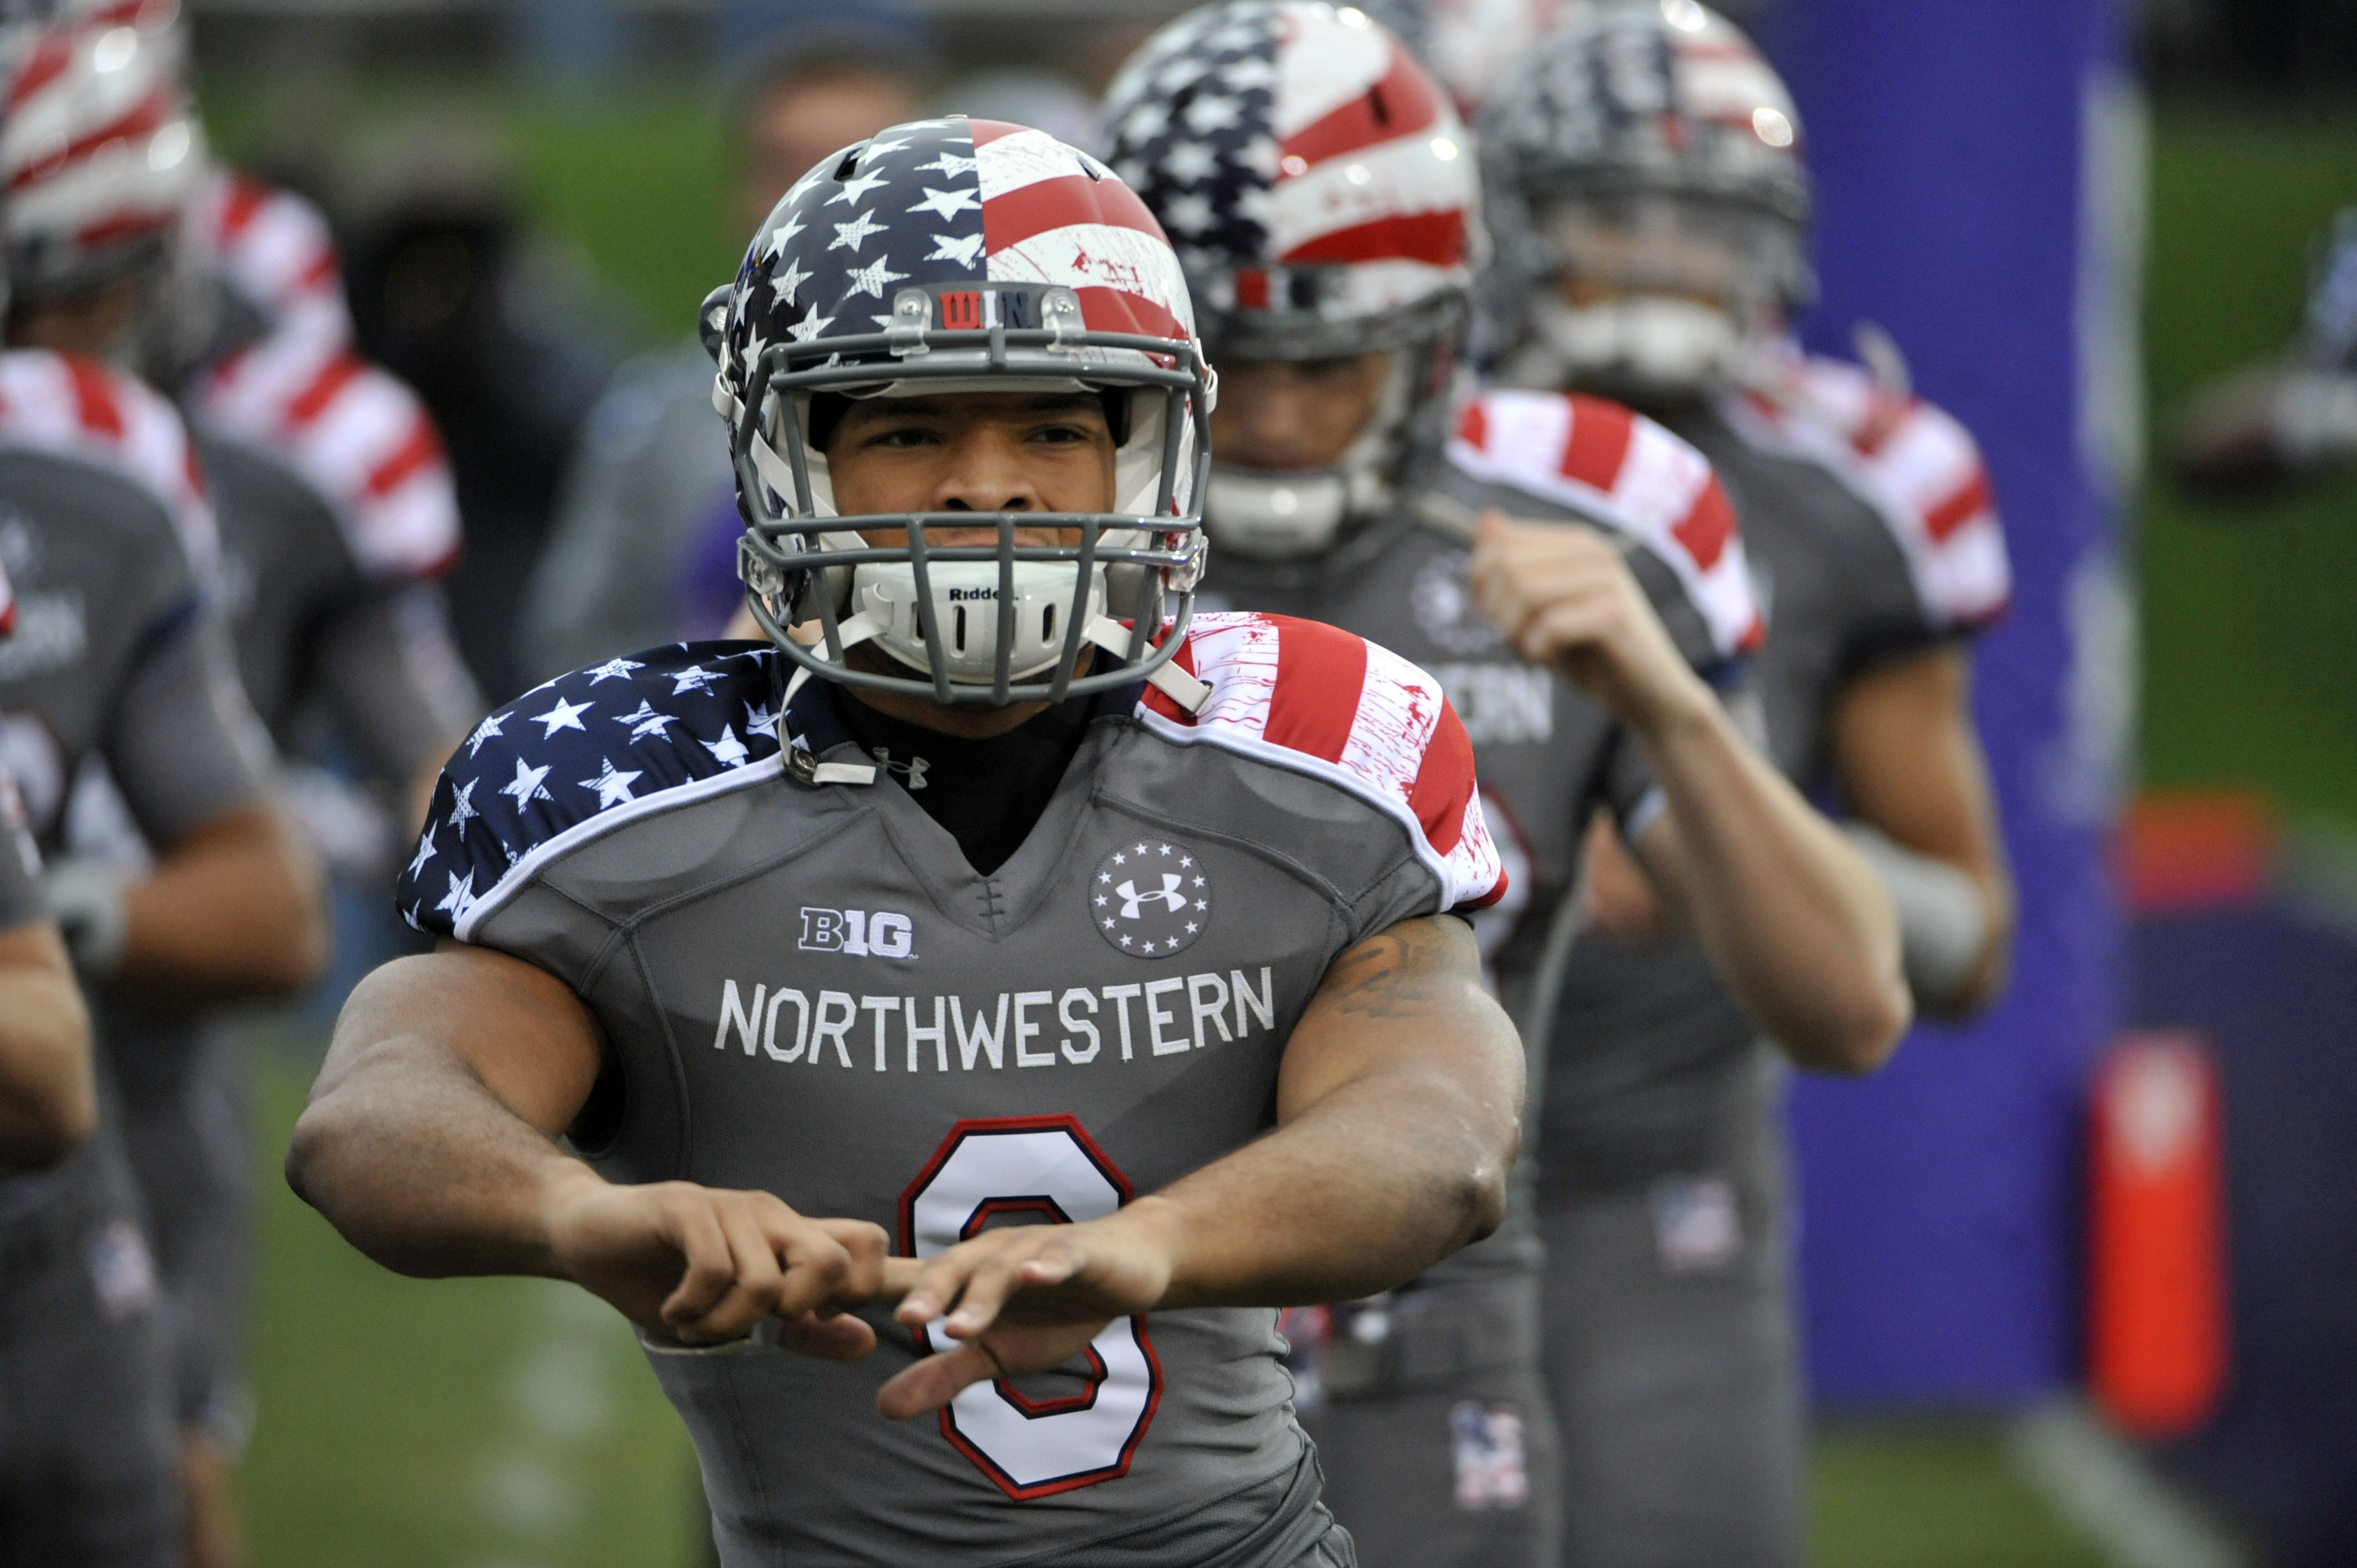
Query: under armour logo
1169, 897
912, 771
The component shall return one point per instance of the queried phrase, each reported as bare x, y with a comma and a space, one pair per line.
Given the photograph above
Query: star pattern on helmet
870, 279
686, 714
856, 232
857, 186
1193, 132
948, 203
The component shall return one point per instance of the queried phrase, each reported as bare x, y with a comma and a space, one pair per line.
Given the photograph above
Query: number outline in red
1037, 1204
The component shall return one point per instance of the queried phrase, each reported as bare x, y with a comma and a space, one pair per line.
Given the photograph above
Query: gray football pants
89, 1467
1671, 1358
1450, 1462
190, 1151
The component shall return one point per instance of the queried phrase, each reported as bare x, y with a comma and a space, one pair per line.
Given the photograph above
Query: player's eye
1060, 434
901, 437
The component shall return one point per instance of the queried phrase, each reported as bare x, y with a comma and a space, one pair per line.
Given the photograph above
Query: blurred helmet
1648, 151
101, 151
1469, 45
957, 255
1325, 203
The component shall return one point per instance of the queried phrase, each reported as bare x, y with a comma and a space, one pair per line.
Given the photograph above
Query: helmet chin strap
1642, 344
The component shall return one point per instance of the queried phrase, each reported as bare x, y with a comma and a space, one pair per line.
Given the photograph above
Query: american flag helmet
1469, 45
1646, 145
951, 255
1325, 202
101, 150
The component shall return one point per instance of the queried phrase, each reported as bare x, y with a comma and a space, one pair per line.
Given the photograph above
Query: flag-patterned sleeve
1316, 700
1613, 467
1920, 470
576, 758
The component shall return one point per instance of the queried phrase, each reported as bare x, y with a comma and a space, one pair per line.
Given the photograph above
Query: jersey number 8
1046, 1166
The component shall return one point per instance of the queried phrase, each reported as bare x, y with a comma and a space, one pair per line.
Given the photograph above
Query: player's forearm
46, 1104
1400, 1112
232, 913
1792, 915
419, 1165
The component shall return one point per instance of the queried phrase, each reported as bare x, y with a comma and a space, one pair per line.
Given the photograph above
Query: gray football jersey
807, 990
1547, 755
1872, 533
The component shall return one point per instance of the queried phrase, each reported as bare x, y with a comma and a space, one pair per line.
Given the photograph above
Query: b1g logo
858, 933
1150, 897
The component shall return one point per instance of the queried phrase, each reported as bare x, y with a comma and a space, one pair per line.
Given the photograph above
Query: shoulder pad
1911, 461
60, 403
355, 433
1615, 467
1313, 699
579, 756
276, 250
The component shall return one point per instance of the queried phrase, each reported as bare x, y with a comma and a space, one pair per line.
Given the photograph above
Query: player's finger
865, 1247
899, 1277
759, 1283
710, 1268
934, 1380
816, 1266
842, 1337
940, 1280
1049, 1261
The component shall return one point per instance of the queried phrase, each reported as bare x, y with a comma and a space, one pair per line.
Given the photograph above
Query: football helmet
1645, 148
1325, 202
966, 255
101, 151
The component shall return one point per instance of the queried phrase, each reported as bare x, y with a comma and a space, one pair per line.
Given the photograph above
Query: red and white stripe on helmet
99, 150
1301, 159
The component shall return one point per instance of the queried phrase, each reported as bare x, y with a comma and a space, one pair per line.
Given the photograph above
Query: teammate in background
334, 511
644, 548
2294, 422
48, 1102
116, 657
1016, 912
1325, 201
1643, 177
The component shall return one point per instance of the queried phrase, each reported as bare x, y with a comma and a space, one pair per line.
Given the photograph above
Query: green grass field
511, 1424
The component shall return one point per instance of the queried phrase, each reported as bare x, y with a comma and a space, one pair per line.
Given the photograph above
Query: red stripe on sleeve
1401, 104
94, 400
1600, 433
1443, 783
1160, 702
1320, 674
1473, 427
312, 401
1436, 238
320, 269
245, 201
421, 450
1958, 509
1708, 525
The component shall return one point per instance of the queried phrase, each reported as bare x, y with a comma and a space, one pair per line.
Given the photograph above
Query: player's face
95, 324
1295, 414
980, 452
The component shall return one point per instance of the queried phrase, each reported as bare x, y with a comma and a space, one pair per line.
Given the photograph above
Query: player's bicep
1909, 762
1408, 1003
516, 1029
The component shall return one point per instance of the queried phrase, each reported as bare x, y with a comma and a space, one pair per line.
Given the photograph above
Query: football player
117, 658
1642, 173
1003, 901
335, 510
1325, 201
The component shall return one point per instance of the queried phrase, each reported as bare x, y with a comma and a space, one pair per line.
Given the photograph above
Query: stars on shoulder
459, 898
485, 731
728, 751
612, 788
424, 853
462, 807
615, 669
644, 721
565, 715
527, 786
694, 678
761, 720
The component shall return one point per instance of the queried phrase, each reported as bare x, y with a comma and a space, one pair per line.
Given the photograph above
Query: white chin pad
966, 607
1270, 515
1648, 341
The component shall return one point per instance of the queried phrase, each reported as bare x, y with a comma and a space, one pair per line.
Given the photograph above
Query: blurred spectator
2295, 420
506, 345
644, 550
1039, 99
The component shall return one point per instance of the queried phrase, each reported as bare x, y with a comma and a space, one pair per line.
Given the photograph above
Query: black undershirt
989, 793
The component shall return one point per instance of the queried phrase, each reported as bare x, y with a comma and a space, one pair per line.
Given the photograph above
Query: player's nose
986, 473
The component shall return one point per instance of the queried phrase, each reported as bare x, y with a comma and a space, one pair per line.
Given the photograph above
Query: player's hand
1023, 1298
701, 1265
1566, 598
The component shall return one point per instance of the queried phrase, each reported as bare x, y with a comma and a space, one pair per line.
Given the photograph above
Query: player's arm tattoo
1406, 971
